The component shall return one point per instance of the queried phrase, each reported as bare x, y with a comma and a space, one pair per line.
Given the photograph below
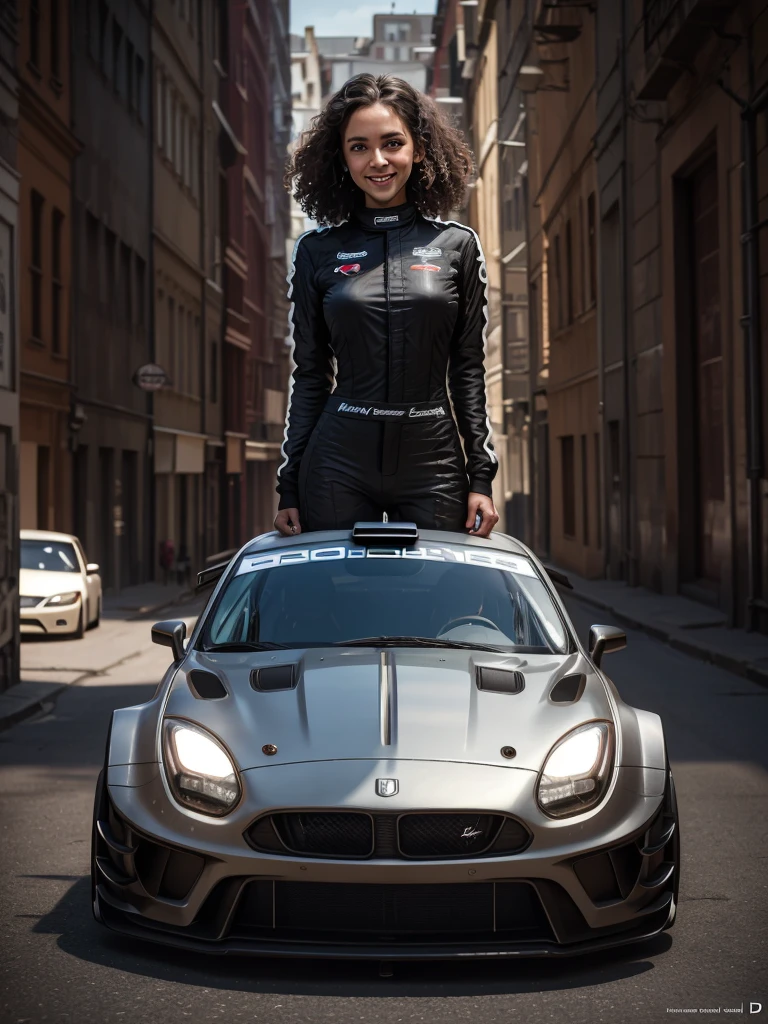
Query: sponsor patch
419, 413
489, 559
392, 219
368, 410
425, 266
347, 269
427, 252
351, 255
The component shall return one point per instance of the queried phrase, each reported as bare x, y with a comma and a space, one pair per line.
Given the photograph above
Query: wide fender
642, 738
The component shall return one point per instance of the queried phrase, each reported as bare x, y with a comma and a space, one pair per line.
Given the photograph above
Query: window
172, 341
569, 271
194, 361
34, 34
110, 246
57, 228
55, 41
129, 69
93, 256
598, 503
103, 21
36, 264
183, 129
117, 49
556, 304
213, 380
592, 247
584, 491
568, 478
160, 110
169, 105
582, 263
141, 271
139, 105
126, 285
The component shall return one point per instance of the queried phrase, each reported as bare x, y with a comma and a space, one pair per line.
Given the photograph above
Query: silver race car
390, 744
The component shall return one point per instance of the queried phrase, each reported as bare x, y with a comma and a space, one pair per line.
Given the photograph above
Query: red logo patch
348, 268
425, 266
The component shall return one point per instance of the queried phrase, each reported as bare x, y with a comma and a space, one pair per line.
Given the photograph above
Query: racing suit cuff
481, 487
288, 500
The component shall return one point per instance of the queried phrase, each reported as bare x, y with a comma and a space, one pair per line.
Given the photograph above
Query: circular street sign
150, 377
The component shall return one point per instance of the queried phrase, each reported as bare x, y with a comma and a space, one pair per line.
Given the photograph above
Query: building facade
9, 350
111, 328
179, 440
645, 140
46, 150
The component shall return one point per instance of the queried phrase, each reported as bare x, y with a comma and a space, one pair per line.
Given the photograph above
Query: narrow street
61, 966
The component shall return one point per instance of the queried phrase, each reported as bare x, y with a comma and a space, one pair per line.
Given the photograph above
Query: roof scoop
401, 533
499, 680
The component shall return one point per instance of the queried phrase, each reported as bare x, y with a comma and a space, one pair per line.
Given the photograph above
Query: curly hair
325, 191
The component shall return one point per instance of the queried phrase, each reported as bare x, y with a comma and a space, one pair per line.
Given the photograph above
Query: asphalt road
58, 965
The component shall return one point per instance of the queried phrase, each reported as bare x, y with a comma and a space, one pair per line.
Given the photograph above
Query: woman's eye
394, 142
356, 147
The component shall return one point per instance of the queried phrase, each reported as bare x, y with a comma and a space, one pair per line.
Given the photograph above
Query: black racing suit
391, 307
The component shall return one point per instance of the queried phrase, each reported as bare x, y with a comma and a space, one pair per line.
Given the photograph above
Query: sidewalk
40, 686
686, 625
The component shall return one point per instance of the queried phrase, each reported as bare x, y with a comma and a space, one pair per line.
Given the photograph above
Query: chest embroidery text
351, 255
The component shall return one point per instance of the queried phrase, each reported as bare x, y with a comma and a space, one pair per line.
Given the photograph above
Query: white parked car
60, 592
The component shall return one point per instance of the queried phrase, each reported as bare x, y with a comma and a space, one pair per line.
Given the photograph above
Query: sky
349, 17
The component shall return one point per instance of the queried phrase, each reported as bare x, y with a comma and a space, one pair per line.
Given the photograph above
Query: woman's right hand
287, 522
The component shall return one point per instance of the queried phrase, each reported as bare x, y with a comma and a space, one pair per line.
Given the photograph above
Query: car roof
46, 535
499, 541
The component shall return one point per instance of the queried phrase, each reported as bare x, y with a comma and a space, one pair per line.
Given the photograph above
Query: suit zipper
389, 315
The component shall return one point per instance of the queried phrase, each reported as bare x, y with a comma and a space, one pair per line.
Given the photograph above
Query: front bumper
174, 878
45, 619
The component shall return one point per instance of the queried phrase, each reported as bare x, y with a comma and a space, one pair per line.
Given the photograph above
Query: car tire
80, 631
97, 620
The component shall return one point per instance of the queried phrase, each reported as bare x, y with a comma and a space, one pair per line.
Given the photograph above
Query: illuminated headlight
200, 771
577, 771
60, 600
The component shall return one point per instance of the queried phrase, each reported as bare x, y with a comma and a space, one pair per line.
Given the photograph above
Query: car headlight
200, 772
577, 770
63, 599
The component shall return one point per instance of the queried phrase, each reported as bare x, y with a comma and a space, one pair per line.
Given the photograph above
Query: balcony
674, 31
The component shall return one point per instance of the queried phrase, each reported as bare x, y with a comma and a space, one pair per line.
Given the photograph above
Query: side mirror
171, 634
605, 640
92, 567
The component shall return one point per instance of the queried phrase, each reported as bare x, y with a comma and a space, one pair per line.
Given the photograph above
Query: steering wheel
461, 619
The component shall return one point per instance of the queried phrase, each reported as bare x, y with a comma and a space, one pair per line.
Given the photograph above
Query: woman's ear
418, 156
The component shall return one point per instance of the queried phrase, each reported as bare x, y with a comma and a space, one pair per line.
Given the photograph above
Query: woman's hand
484, 505
287, 522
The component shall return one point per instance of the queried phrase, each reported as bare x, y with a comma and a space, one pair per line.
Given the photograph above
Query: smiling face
379, 151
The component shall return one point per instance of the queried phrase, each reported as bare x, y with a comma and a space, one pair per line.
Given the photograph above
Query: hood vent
568, 689
206, 685
275, 677
499, 680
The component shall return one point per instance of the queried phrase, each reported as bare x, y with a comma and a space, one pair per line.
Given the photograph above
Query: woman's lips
382, 179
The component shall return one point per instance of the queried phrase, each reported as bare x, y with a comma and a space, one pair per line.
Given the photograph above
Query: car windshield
337, 594
49, 555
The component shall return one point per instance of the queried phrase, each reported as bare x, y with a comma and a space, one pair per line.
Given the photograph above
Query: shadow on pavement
81, 937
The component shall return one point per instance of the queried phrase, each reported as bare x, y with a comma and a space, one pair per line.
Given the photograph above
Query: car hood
431, 707
40, 583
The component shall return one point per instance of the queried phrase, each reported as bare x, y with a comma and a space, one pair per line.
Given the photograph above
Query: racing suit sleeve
312, 377
466, 371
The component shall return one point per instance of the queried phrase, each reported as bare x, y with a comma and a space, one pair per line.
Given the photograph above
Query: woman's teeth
386, 177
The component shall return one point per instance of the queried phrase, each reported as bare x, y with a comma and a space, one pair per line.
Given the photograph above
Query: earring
346, 169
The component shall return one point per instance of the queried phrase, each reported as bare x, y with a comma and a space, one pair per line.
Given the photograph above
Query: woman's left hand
484, 505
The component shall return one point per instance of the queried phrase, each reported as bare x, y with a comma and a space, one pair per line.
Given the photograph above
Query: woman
389, 304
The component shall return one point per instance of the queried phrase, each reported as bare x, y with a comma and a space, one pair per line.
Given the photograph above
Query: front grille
447, 835
412, 836
345, 834
340, 912
29, 602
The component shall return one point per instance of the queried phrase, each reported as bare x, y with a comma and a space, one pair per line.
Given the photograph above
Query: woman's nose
378, 159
